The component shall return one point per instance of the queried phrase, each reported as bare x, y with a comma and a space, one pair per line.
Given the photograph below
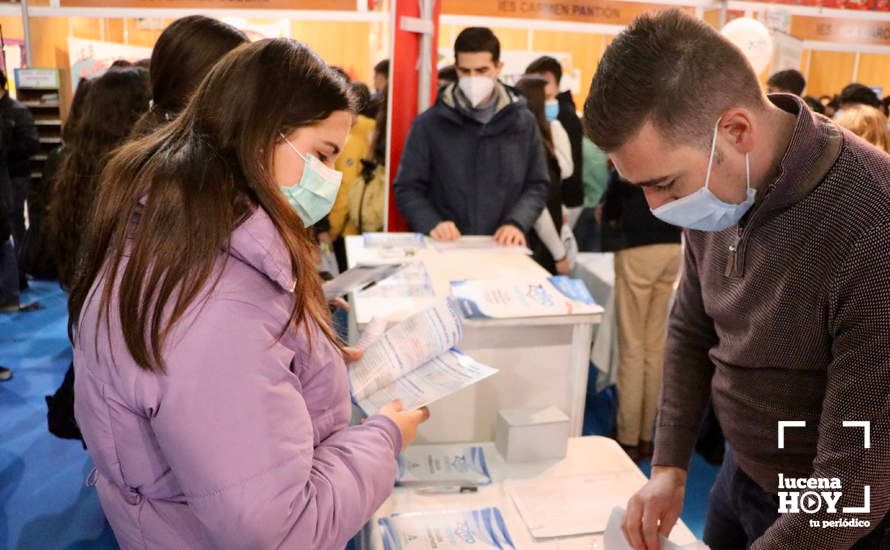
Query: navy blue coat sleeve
537, 181
413, 181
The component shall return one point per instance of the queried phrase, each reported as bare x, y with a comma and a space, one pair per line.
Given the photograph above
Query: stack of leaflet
477, 529
506, 300
395, 245
478, 242
444, 465
416, 362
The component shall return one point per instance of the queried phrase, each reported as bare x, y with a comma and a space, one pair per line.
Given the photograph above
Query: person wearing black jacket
647, 261
24, 143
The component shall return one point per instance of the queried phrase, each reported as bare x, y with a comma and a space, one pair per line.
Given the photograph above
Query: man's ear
498, 67
737, 125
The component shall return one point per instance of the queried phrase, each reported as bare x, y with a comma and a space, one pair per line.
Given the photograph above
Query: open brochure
443, 465
499, 299
478, 529
357, 278
415, 361
613, 539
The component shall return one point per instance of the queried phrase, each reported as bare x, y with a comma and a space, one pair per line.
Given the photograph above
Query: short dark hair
382, 67
545, 64
789, 80
673, 70
859, 93
478, 39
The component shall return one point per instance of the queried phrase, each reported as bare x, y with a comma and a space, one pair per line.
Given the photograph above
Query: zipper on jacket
732, 260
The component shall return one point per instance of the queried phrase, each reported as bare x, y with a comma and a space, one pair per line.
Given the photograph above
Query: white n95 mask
476, 88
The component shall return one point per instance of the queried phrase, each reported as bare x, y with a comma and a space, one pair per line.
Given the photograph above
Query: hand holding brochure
480, 529
613, 538
414, 361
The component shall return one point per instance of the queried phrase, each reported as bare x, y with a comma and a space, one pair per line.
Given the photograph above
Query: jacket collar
814, 147
507, 100
258, 243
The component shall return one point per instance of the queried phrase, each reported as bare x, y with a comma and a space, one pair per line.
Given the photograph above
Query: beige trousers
644, 281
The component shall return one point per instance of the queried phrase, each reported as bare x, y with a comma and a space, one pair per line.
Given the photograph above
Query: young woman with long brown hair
210, 389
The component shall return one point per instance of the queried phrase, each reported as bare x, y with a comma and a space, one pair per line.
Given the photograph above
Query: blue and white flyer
505, 300
478, 529
443, 465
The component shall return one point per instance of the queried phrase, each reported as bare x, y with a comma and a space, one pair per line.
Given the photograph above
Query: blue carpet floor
44, 504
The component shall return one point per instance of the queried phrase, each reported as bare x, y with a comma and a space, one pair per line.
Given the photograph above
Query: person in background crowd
885, 106
830, 104
183, 54
561, 107
217, 413
545, 240
473, 164
647, 261
855, 94
8, 272
349, 163
789, 81
23, 144
381, 77
814, 104
116, 100
595, 176
37, 257
781, 313
866, 122
447, 75
367, 194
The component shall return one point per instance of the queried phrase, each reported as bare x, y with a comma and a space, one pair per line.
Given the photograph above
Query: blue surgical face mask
551, 110
702, 210
314, 196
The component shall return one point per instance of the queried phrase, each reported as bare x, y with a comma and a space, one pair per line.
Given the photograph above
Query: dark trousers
9, 275
17, 209
740, 511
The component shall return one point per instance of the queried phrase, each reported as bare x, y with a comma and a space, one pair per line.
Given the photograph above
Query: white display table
542, 361
585, 455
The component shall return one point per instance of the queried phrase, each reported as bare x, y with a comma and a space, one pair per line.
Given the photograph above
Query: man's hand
563, 267
509, 235
445, 231
655, 508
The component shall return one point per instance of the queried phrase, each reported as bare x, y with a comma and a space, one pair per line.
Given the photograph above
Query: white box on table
530, 434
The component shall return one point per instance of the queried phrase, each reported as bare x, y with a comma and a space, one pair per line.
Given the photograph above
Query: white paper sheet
568, 506
475, 529
477, 242
440, 377
613, 538
404, 347
412, 281
443, 465
356, 278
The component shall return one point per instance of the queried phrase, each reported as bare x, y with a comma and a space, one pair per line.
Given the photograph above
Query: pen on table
369, 285
447, 489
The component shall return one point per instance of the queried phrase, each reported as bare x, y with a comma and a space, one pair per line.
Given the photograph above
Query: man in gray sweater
782, 317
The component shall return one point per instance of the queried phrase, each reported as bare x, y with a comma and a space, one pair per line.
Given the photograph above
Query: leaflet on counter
477, 242
357, 278
483, 528
415, 361
498, 299
443, 465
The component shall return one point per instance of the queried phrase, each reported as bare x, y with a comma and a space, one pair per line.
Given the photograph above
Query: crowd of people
209, 377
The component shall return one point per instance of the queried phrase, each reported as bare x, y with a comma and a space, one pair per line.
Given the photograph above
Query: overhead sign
216, 4
853, 31
605, 12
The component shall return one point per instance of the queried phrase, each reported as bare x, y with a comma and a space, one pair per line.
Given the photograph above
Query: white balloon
752, 37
